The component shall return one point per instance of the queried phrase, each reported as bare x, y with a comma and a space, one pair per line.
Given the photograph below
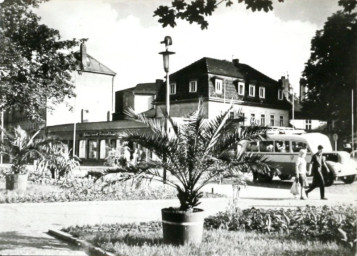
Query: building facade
221, 83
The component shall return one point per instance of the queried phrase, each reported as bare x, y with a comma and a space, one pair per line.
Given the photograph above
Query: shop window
92, 149
82, 152
104, 149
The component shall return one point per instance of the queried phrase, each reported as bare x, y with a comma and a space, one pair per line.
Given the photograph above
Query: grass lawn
146, 239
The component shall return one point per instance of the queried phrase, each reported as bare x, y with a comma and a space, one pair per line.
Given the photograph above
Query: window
231, 115
173, 88
282, 146
104, 149
241, 88
218, 85
266, 146
252, 147
193, 86
280, 94
251, 90
262, 120
297, 146
252, 119
92, 149
308, 124
281, 121
272, 121
262, 92
82, 149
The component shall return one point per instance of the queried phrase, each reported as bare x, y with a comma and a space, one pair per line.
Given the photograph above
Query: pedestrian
318, 161
300, 168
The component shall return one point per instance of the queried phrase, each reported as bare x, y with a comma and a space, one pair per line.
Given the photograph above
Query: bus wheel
285, 176
348, 179
329, 179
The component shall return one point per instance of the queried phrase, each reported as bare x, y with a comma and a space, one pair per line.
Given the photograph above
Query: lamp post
166, 59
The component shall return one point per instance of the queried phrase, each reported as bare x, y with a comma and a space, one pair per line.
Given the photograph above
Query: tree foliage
197, 10
330, 73
35, 64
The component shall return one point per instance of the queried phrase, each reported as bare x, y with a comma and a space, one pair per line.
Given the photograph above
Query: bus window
266, 146
296, 146
252, 146
282, 146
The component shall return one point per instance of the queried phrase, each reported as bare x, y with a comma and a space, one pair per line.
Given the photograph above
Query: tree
196, 152
35, 64
330, 73
198, 10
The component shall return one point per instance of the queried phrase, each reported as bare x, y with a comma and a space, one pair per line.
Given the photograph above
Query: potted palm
195, 152
20, 147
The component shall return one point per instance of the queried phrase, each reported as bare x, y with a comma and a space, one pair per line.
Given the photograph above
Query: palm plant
194, 152
21, 148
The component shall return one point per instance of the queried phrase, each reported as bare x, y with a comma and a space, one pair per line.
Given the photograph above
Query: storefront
93, 141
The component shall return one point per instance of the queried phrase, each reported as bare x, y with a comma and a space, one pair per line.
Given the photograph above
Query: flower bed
146, 239
309, 223
87, 189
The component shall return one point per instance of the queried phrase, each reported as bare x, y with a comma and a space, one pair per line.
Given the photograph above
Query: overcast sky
124, 35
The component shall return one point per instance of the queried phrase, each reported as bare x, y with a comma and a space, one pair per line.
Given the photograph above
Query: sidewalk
23, 227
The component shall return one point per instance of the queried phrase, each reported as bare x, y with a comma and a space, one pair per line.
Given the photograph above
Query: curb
88, 247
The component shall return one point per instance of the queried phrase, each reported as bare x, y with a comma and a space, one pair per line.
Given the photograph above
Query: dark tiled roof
146, 88
95, 126
227, 68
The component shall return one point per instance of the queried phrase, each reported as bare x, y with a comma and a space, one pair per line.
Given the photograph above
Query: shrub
322, 223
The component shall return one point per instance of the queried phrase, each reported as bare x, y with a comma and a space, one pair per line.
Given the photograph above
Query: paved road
23, 227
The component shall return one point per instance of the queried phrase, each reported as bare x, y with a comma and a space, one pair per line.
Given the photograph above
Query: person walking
300, 169
318, 161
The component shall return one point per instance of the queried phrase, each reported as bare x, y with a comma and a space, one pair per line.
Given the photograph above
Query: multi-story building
221, 83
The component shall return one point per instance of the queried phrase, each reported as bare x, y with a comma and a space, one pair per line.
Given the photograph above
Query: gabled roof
95, 66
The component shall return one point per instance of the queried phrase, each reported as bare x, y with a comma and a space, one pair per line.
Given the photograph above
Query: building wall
316, 125
94, 93
181, 109
143, 103
216, 108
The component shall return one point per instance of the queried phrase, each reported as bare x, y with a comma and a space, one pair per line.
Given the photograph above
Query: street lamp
166, 59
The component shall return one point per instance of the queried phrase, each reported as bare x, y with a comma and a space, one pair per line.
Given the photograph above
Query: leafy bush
322, 223
146, 239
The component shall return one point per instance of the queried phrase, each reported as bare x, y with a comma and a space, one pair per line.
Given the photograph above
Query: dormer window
280, 94
173, 88
262, 92
193, 86
252, 90
218, 85
241, 88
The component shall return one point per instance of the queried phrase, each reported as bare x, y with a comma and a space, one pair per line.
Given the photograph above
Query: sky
124, 35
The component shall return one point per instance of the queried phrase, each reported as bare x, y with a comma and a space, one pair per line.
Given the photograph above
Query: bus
281, 148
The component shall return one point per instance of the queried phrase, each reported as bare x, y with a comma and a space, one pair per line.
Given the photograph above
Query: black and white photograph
178, 127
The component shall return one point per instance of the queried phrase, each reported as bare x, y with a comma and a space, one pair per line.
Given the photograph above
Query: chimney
235, 62
84, 59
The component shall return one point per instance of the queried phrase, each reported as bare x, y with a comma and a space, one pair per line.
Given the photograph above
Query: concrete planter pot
181, 227
16, 182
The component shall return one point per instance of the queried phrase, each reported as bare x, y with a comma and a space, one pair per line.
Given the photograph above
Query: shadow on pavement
16, 240
273, 184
